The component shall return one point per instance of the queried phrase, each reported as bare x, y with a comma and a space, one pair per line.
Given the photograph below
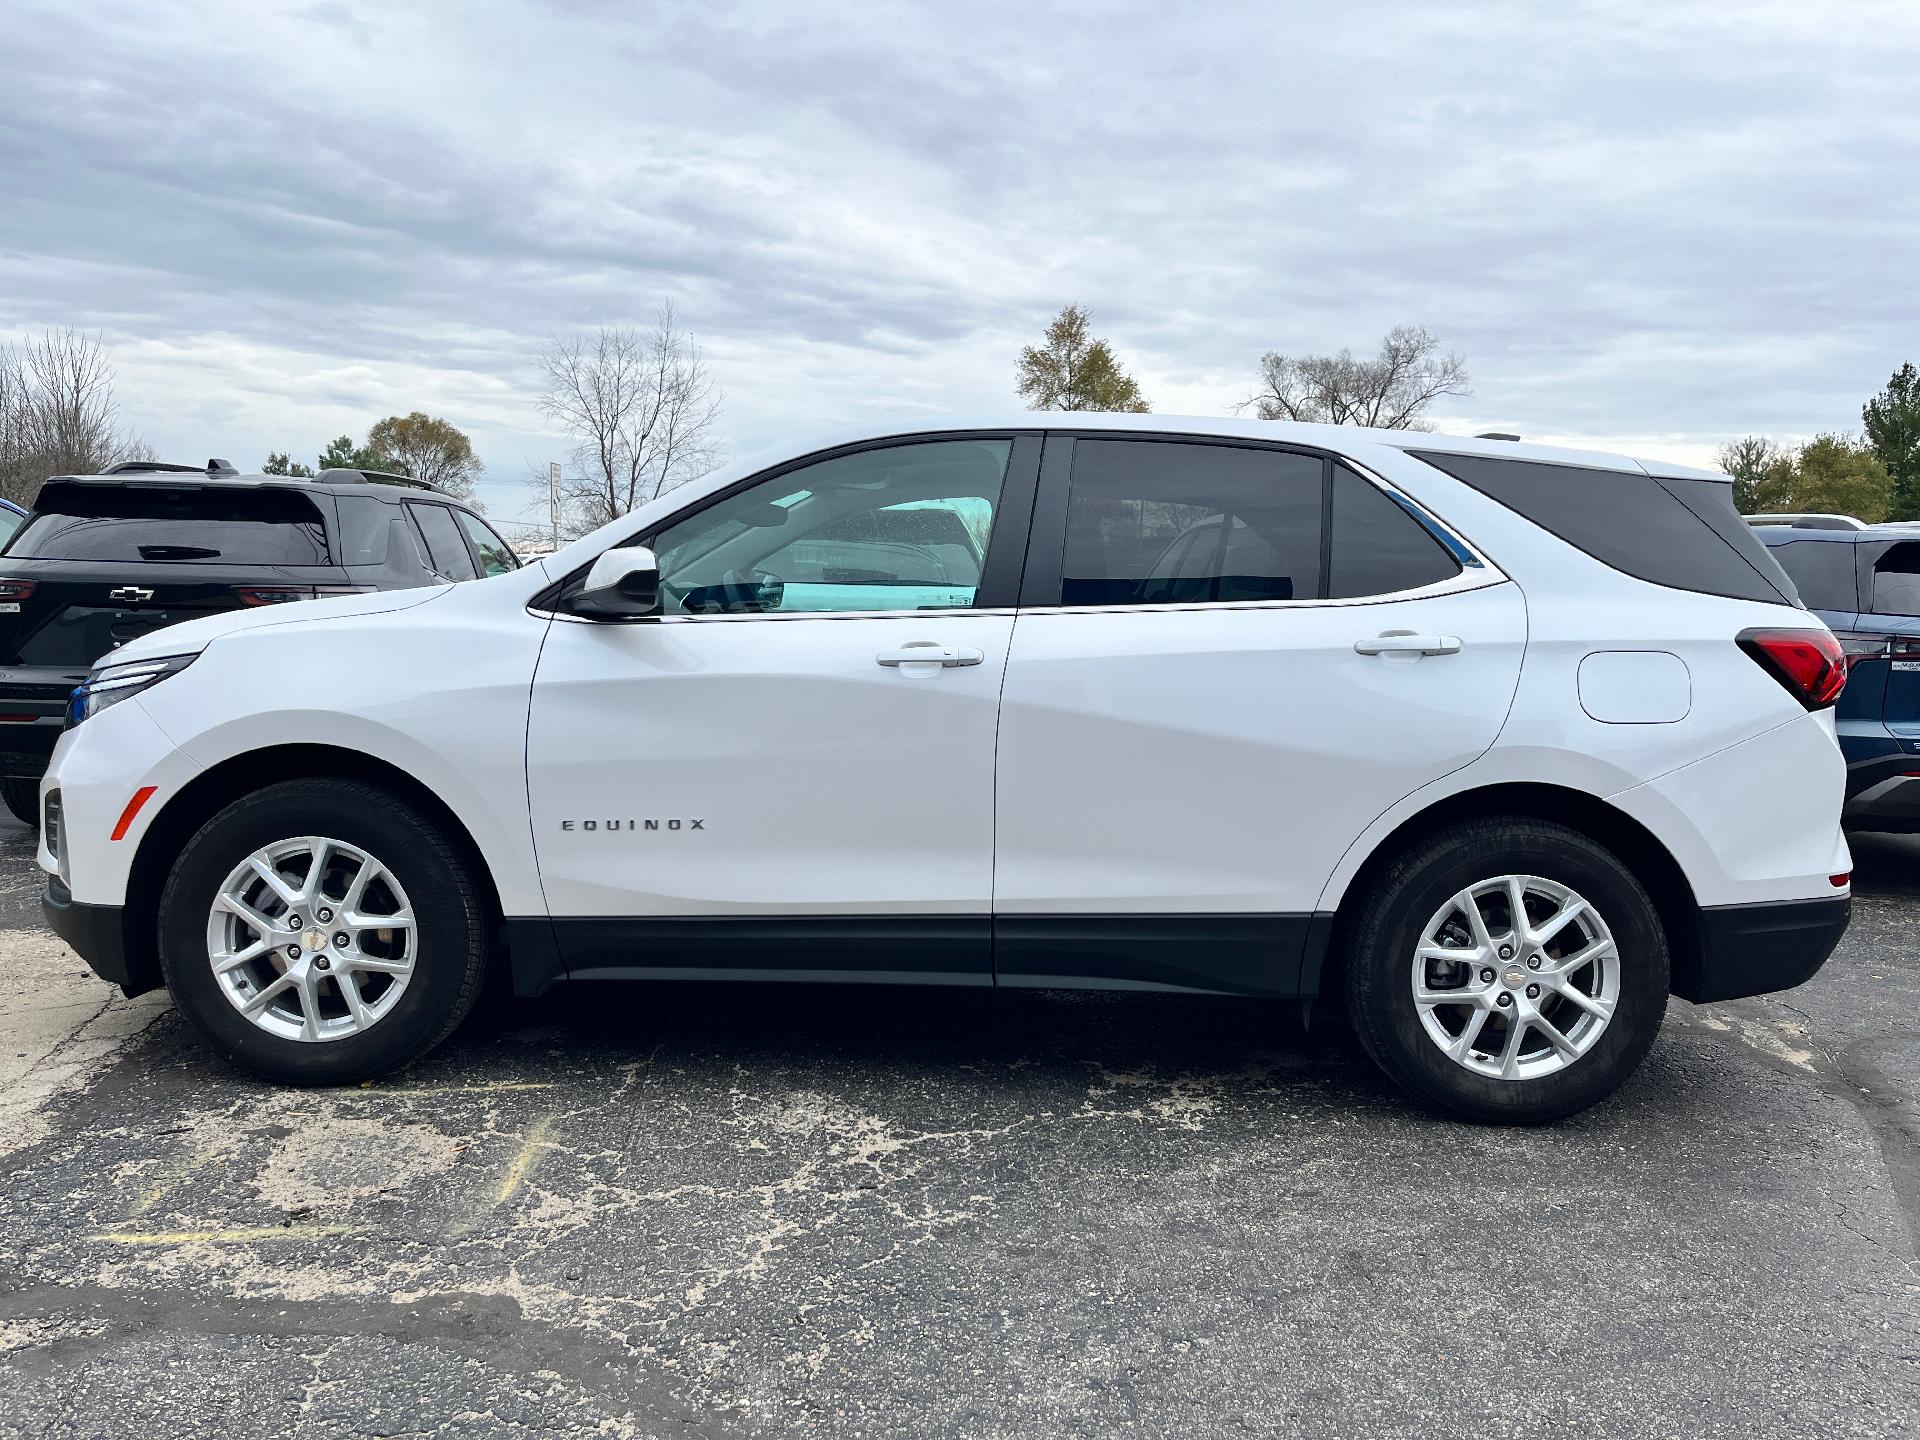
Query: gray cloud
1642, 223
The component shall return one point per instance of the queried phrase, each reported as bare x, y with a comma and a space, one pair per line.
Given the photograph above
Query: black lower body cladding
1757, 949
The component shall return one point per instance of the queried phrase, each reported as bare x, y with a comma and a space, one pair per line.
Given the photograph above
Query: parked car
1497, 744
12, 516
103, 559
1864, 582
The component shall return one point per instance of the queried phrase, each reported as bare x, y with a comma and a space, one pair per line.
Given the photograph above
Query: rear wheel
22, 798
1507, 970
322, 932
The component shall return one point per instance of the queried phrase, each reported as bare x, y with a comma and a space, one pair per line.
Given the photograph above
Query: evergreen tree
1893, 429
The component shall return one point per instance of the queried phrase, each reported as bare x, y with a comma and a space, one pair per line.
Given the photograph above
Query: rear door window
1152, 522
1822, 571
205, 525
445, 546
1669, 530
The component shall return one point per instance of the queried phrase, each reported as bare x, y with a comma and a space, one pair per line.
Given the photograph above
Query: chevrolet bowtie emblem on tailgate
130, 592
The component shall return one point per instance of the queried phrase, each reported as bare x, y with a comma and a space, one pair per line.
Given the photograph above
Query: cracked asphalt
741, 1212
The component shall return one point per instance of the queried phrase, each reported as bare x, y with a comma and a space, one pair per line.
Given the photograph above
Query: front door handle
1405, 642
930, 652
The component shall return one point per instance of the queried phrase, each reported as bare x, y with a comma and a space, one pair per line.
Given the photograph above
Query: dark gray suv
103, 558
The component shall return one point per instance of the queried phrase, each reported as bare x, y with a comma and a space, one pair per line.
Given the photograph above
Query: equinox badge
633, 824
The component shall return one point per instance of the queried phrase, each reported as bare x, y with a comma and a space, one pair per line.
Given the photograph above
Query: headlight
110, 684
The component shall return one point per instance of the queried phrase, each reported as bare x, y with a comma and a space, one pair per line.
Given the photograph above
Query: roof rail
343, 476
150, 467
1496, 435
1810, 521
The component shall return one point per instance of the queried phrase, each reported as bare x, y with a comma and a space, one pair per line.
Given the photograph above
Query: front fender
446, 704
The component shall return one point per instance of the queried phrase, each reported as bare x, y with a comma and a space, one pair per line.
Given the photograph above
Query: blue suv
1864, 581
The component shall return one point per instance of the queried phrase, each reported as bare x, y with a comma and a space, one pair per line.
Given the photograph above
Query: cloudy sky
1650, 226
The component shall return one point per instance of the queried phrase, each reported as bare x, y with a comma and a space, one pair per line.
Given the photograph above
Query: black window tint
1711, 501
1671, 532
1896, 579
365, 529
9, 524
209, 524
1822, 571
444, 545
1158, 523
1377, 546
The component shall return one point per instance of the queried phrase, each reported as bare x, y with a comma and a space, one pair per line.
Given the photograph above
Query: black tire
1395, 909
23, 799
452, 929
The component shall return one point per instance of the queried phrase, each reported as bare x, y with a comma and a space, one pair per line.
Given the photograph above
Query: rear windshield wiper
177, 552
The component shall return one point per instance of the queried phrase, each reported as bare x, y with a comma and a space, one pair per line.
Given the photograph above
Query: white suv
1496, 744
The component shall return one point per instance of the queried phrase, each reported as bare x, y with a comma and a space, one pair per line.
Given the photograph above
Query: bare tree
641, 409
57, 412
1390, 392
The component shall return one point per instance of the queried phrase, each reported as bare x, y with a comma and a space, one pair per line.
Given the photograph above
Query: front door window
901, 528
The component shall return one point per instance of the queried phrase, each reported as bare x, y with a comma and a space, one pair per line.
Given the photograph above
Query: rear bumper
98, 935
1888, 803
1883, 776
1757, 949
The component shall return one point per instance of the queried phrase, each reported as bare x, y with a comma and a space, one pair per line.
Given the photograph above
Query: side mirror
623, 584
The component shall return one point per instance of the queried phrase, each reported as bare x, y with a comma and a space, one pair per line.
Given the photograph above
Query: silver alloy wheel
312, 939
1516, 977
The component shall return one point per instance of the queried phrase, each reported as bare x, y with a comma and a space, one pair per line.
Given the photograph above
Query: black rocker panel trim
1212, 954
859, 949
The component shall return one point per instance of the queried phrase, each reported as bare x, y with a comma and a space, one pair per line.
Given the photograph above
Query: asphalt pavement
739, 1212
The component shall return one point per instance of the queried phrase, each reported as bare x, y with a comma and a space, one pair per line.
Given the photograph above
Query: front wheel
322, 932
22, 799
1507, 970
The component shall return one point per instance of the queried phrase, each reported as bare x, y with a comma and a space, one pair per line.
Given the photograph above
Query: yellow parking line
172, 1178
523, 1163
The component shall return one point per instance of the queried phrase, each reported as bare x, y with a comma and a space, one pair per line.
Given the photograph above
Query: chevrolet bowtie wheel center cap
314, 939
1513, 977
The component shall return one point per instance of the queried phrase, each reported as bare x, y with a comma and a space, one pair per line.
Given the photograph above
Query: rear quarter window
155, 524
1377, 547
1896, 580
1673, 531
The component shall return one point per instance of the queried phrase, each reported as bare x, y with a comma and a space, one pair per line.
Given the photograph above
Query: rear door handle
930, 652
1405, 642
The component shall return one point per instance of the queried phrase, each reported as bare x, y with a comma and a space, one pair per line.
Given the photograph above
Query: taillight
1810, 663
285, 594
16, 590
1861, 646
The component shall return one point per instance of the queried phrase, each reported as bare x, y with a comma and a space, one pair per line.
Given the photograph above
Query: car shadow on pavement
931, 1029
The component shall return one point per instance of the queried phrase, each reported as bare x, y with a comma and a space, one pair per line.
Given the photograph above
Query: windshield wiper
177, 552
